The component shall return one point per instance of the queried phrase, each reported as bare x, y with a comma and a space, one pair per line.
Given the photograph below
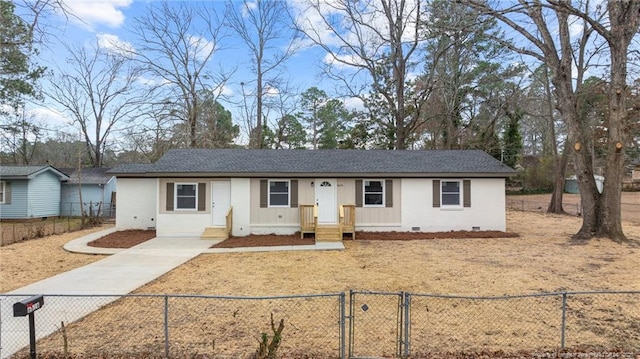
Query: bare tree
601, 212
97, 91
20, 137
375, 38
176, 45
262, 27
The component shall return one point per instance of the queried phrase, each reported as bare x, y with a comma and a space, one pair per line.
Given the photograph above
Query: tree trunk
610, 219
555, 206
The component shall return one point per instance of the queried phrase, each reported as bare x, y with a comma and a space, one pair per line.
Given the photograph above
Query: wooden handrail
308, 219
229, 220
348, 219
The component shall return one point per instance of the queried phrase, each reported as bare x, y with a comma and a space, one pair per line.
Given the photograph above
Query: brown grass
33, 260
541, 260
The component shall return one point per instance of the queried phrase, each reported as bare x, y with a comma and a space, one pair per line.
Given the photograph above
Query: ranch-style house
217, 192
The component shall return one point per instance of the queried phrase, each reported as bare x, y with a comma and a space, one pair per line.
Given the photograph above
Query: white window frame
364, 192
269, 194
460, 194
175, 196
3, 192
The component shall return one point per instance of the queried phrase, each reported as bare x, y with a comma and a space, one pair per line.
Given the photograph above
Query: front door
326, 200
220, 202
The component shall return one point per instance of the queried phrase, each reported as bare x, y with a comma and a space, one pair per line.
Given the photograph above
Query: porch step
215, 233
328, 233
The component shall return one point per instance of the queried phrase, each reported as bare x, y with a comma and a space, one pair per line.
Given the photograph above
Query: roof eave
318, 175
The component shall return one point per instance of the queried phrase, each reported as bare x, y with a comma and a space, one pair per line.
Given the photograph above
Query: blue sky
109, 22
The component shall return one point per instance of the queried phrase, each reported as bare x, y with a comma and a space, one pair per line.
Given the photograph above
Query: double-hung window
373, 193
279, 194
186, 196
451, 193
3, 192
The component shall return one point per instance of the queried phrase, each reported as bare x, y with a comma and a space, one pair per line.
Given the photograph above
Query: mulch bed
409, 236
123, 239
265, 240
130, 238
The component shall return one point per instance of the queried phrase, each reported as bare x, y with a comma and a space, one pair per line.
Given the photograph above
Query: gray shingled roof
23, 172
88, 175
244, 162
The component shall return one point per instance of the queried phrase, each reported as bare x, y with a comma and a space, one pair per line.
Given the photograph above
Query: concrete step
215, 233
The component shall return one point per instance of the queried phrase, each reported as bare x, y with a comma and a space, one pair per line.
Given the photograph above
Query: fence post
351, 321
343, 319
166, 326
564, 319
407, 324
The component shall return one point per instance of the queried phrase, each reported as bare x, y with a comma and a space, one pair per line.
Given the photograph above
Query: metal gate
377, 325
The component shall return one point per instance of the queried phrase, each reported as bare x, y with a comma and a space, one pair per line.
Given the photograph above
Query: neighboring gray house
97, 188
30, 191
194, 192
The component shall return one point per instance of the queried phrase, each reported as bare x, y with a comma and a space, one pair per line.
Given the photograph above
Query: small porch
328, 232
220, 232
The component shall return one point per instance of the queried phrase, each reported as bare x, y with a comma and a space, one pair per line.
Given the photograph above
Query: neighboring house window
278, 193
373, 193
2, 192
450, 193
186, 195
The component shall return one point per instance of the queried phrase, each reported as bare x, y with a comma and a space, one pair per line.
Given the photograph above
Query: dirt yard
492, 266
542, 259
33, 260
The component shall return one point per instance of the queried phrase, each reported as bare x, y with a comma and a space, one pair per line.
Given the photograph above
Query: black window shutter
358, 193
264, 202
466, 192
294, 193
202, 196
169, 196
388, 193
436, 193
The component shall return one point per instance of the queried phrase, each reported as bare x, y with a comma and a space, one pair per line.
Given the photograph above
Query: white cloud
224, 91
328, 22
97, 12
353, 103
114, 44
271, 91
50, 116
201, 47
343, 61
248, 7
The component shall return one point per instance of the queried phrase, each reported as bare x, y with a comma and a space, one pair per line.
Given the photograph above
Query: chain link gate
378, 324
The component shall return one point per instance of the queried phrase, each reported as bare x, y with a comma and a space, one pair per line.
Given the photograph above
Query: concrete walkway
121, 273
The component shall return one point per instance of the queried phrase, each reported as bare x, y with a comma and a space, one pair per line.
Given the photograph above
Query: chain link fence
630, 211
17, 231
91, 209
359, 324
177, 326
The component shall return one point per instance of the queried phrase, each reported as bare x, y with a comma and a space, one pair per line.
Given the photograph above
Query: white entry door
220, 202
327, 201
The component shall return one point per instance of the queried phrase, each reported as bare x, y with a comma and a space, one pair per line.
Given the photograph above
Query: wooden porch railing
308, 219
348, 219
229, 220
